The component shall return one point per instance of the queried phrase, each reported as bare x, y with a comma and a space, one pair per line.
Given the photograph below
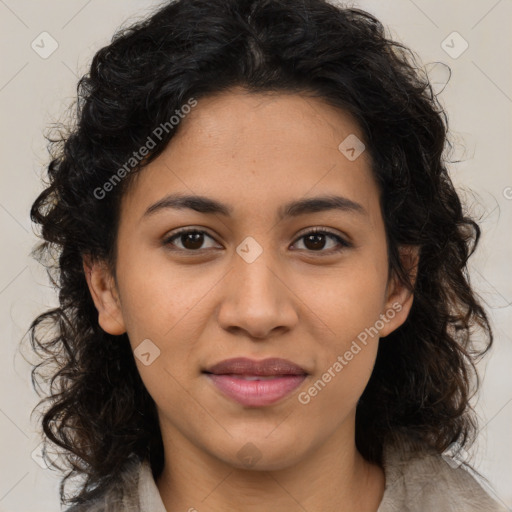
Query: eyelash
343, 243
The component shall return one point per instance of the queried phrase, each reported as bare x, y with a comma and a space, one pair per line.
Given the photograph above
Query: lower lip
256, 393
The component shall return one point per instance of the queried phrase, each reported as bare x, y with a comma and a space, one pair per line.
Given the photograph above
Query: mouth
256, 383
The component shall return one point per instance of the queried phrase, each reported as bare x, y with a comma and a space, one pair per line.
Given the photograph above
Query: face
253, 281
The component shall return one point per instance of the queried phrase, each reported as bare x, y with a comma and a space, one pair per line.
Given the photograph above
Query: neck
333, 477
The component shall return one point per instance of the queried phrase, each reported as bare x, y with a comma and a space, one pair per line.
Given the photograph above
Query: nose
258, 299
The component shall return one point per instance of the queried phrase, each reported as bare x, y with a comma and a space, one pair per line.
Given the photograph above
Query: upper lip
246, 366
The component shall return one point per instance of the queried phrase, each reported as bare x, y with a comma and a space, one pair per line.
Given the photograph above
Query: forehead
258, 149
239, 117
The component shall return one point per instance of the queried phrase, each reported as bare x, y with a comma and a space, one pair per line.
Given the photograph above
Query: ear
104, 294
398, 297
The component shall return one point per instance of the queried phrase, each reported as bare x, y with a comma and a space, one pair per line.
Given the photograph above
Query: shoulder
119, 495
427, 481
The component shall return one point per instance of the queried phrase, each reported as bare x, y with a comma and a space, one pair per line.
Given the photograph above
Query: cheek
158, 298
349, 306
166, 307
348, 300
345, 363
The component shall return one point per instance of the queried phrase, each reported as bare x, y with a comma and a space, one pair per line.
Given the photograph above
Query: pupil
315, 237
194, 238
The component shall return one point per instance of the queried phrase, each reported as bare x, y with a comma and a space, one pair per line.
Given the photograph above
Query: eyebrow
207, 205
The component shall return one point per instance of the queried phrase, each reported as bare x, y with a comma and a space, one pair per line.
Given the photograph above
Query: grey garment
427, 482
415, 482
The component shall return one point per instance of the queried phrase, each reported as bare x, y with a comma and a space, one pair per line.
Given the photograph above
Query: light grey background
36, 91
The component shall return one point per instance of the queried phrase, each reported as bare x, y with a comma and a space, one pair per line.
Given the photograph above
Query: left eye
314, 240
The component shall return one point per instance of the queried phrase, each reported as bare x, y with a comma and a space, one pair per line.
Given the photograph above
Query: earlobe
104, 294
399, 296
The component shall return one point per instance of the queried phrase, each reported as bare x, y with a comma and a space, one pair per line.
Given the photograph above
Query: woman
264, 301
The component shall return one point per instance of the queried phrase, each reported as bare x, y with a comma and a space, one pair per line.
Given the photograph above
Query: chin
258, 453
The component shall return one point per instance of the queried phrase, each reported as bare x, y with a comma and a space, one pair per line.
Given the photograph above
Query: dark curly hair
99, 412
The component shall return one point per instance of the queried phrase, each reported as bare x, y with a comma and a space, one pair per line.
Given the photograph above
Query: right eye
190, 239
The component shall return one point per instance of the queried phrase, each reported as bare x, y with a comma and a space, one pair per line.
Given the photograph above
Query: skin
255, 153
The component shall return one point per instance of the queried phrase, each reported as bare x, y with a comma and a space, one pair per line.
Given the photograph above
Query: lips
249, 367
256, 383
